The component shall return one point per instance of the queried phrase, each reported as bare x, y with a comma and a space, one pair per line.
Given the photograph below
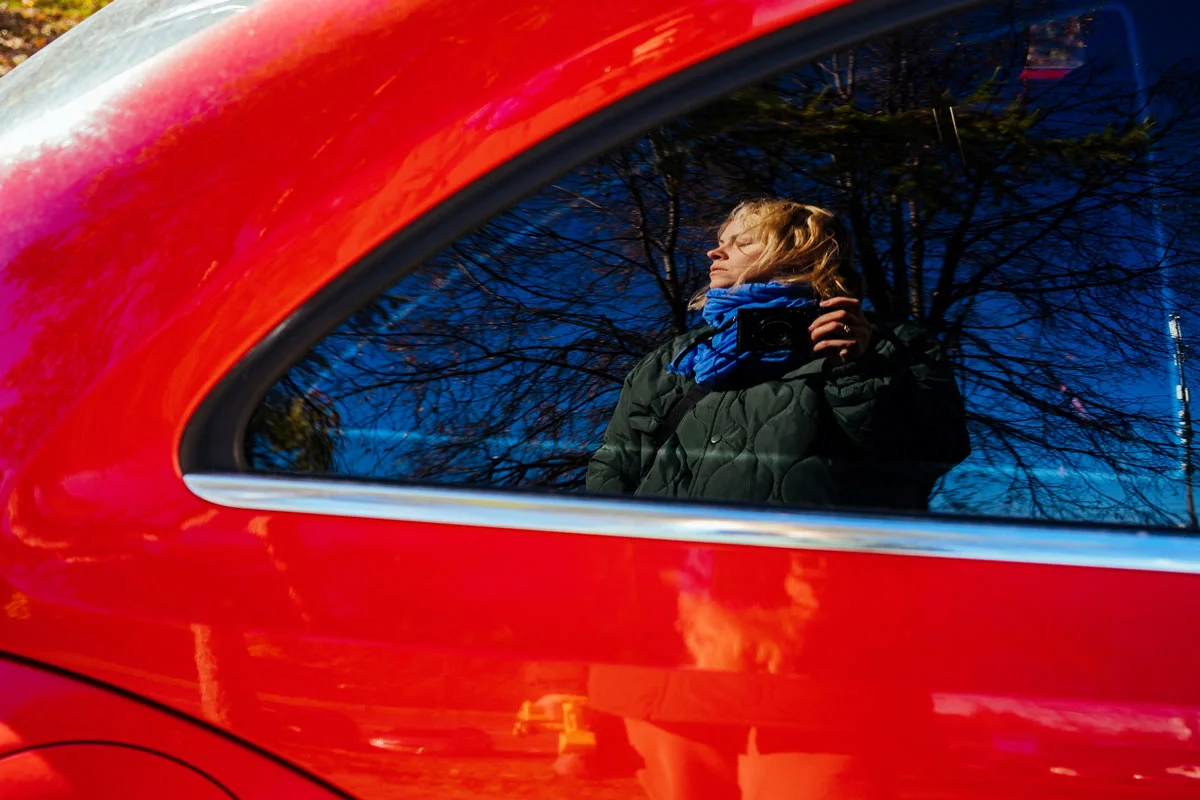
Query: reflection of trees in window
1029, 223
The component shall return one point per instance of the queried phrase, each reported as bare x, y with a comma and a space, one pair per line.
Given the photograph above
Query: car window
1009, 192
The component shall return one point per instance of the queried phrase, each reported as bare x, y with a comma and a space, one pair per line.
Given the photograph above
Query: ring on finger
845, 329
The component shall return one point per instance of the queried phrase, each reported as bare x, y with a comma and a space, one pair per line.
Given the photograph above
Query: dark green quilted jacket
875, 433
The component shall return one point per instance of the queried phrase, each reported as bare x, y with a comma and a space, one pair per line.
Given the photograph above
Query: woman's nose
716, 254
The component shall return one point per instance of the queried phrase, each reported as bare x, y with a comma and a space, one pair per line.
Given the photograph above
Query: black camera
775, 328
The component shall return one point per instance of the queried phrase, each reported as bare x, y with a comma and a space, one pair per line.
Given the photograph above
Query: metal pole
1184, 431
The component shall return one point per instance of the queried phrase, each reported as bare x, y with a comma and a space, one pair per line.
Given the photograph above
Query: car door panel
390, 654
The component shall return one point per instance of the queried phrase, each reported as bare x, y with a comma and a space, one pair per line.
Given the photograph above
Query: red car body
156, 231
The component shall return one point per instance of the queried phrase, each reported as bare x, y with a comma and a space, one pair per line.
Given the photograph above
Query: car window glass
1017, 185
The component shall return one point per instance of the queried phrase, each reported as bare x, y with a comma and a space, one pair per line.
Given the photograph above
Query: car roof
92, 62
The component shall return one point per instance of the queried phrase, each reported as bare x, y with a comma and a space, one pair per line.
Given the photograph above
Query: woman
859, 414
854, 412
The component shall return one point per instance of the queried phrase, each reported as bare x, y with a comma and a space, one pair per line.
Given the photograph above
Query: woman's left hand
842, 334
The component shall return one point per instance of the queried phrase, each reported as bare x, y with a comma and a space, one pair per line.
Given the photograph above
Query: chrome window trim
933, 536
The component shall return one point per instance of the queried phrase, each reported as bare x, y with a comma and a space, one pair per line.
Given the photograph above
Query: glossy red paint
62, 739
147, 250
99, 772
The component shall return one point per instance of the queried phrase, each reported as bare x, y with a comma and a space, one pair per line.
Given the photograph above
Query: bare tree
1041, 228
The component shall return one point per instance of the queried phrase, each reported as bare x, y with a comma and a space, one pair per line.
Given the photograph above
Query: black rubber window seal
213, 438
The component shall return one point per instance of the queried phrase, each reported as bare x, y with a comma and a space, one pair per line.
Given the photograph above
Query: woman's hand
842, 334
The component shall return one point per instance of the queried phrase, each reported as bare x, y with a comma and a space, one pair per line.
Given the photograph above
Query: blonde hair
801, 244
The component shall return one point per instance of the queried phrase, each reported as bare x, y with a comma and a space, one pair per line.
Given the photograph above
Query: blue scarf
717, 360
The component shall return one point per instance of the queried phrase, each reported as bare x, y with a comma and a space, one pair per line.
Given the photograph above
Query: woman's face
736, 252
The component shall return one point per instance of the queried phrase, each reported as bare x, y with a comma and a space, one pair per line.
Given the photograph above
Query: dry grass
28, 25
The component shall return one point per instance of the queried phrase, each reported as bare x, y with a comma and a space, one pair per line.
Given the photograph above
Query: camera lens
777, 333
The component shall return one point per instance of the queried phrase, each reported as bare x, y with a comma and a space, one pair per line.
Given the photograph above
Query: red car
313, 320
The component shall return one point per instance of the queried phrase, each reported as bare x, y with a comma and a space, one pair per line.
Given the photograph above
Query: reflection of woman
855, 413
868, 416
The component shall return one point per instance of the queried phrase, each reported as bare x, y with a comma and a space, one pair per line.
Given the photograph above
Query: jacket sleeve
616, 468
899, 403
